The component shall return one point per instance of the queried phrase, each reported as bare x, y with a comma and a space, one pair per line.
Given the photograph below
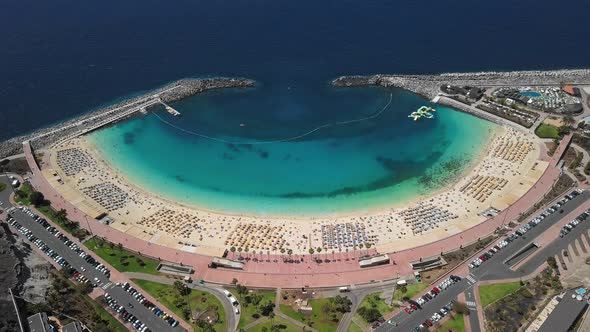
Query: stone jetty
429, 85
169, 93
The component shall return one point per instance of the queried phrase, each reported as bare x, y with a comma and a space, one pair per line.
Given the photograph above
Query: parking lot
83, 267
487, 266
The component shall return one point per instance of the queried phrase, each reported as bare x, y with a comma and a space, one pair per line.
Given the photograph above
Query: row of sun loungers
108, 195
73, 160
177, 224
255, 236
343, 235
513, 151
481, 187
424, 217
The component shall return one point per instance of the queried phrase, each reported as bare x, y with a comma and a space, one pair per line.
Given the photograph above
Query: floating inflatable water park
422, 112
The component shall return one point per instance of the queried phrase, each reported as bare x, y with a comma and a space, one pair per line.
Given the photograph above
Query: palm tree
233, 250
319, 250
403, 289
368, 245
311, 251
282, 252
240, 252
62, 215
361, 246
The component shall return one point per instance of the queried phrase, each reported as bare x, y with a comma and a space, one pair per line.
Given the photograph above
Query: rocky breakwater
429, 85
168, 93
190, 87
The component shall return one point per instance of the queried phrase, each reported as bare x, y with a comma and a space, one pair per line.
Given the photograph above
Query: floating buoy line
339, 123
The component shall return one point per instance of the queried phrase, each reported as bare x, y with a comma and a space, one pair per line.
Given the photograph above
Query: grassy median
491, 293
23, 193
121, 259
411, 291
282, 325
251, 305
455, 324
547, 131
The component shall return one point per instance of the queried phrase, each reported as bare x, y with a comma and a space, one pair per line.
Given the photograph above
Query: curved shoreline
472, 164
211, 231
276, 273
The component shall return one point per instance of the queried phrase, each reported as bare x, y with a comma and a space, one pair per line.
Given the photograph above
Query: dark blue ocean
62, 58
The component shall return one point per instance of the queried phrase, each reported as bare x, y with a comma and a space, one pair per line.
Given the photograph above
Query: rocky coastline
10, 277
428, 86
168, 93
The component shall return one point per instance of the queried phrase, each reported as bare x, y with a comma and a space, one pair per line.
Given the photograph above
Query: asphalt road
142, 313
472, 306
494, 268
556, 247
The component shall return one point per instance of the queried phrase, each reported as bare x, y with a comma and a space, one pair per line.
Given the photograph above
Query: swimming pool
531, 94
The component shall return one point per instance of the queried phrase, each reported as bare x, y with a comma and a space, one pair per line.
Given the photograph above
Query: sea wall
429, 85
169, 93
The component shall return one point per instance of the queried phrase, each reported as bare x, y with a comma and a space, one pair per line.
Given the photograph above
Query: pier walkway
169, 108
136, 106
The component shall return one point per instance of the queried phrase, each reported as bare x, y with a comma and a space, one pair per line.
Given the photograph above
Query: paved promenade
271, 271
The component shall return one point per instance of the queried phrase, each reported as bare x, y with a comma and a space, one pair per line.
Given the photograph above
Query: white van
227, 293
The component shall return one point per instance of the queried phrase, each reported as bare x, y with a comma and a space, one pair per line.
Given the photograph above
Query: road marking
107, 285
471, 279
471, 304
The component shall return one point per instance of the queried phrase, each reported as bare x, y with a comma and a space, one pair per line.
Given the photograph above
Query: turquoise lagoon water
374, 163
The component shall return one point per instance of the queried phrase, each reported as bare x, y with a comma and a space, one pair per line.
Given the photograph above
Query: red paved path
307, 273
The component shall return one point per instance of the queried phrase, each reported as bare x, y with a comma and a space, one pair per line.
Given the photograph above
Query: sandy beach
508, 166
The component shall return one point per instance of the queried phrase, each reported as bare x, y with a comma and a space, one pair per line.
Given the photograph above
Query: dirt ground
569, 156
18, 166
557, 122
291, 297
517, 310
550, 148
